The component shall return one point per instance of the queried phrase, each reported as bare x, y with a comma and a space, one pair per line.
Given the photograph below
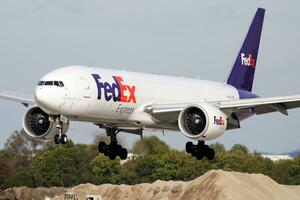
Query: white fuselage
118, 98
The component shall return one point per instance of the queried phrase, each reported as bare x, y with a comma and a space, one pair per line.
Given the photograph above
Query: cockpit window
61, 84
41, 83
49, 83
56, 83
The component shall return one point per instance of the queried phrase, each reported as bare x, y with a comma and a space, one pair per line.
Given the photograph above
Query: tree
280, 172
66, 165
128, 174
101, 138
172, 165
219, 148
293, 170
230, 161
5, 170
21, 177
70, 164
238, 148
20, 144
150, 145
105, 170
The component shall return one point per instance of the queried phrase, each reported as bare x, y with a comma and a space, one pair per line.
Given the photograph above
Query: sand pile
25, 193
214, 185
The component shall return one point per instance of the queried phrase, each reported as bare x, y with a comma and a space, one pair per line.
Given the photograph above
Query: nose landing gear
60, 138
200, 150
113, 149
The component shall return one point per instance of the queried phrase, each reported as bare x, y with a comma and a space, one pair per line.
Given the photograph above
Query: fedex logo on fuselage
116, 91
219, 121
248, 61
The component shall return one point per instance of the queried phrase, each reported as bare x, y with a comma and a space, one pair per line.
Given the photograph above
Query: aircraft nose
48, 99
41, 97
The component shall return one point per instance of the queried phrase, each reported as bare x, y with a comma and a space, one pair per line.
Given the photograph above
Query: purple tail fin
242, 74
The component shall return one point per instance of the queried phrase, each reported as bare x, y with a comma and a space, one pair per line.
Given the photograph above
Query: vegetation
31, 163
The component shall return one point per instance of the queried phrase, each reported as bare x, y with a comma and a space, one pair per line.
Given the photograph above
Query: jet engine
36, 124
202, 121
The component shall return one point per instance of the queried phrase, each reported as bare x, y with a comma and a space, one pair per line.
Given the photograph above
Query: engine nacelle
202, 121
36, 124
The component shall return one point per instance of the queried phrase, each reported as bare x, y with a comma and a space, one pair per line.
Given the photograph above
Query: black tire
63, 139
106, 152
112, 155
56, 139
101, 147
188, 147
210, 154
194, 152
123, 154
199, 155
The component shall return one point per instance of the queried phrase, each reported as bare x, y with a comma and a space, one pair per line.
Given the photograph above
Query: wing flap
264, 109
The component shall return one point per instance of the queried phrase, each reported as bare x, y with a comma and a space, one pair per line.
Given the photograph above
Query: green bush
73, 164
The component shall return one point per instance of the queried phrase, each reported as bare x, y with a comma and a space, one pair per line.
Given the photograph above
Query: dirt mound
24, 193
214, 185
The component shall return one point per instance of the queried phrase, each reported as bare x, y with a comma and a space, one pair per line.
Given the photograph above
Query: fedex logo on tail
116, 91
248, 61
219, 121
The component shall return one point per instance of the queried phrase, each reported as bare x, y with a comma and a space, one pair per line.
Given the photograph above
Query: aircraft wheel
63, 139
112, 155
123, 154
106, 152
199, 155
210, 154
101, 147
56, 139
188, 147
194, 152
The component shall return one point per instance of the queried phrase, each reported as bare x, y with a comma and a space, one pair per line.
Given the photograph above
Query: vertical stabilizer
242, 74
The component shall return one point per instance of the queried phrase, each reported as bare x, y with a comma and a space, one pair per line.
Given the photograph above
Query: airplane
131, 102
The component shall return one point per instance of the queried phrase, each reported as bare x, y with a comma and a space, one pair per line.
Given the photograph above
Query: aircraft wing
18, 97
169, 113
262, 105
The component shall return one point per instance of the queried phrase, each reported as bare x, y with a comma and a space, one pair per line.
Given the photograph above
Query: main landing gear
113, 149
200, 150
60, 138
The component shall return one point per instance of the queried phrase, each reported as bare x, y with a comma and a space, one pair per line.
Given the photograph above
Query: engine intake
36, 124
195, 120
202, 121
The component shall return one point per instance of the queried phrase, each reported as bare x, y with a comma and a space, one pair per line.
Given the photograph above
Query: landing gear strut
60, 138
200, 150
113, 149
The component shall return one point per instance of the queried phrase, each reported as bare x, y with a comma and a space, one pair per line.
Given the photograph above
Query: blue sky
182, 38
